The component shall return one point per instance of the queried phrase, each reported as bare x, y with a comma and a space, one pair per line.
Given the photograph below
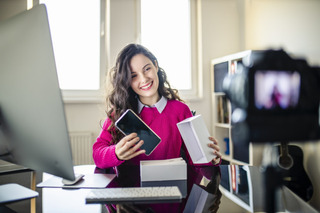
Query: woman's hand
128, 146
216, 150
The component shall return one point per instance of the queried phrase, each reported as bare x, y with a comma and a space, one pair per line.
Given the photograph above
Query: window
80, 43
168, 29
75, 32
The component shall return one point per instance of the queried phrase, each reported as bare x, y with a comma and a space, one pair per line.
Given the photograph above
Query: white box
160, 170
199, 200
196, 138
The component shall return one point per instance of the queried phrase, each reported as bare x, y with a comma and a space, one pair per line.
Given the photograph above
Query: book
225, 110
161, 170
222, 110
195, 134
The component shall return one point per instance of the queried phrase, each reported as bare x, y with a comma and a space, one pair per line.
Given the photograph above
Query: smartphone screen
129, 122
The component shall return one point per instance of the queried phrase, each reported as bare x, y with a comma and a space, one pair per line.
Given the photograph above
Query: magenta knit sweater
164, 125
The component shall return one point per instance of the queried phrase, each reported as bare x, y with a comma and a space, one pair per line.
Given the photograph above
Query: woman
141, 85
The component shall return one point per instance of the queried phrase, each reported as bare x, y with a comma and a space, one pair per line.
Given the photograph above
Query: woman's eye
133, 76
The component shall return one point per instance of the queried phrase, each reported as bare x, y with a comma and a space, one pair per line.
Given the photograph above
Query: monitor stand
78, 178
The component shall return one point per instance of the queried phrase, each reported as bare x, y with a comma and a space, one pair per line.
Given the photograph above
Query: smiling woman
140, 85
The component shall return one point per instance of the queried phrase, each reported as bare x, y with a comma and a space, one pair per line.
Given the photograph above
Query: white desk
68, 200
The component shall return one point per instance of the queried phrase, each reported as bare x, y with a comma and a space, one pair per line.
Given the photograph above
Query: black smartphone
129, 122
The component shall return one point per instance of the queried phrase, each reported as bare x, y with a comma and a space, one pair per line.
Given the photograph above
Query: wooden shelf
223, 125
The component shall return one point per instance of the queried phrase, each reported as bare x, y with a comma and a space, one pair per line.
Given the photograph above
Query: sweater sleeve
103, 152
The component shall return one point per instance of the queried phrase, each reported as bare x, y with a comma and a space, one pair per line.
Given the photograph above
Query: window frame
196, 91
95, 96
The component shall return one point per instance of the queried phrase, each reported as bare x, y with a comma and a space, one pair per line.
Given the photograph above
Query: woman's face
145, 81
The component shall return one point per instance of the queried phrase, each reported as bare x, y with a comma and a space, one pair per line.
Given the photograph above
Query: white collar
160, 105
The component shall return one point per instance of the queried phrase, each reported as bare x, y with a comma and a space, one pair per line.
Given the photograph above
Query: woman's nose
143, 78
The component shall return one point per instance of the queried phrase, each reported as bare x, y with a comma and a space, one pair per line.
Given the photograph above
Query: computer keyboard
159, 194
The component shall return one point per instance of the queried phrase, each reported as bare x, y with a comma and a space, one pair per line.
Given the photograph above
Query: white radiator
81, 144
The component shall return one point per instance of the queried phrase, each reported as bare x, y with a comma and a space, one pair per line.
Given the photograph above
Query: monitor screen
33, 128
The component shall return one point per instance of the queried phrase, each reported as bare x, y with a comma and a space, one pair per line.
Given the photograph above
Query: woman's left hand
216, 150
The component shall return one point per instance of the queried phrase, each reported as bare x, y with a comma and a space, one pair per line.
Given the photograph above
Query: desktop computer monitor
33, 128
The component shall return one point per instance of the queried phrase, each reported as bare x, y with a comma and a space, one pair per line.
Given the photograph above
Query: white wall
289, 24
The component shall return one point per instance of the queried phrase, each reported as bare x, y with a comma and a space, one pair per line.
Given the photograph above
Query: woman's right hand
128, 147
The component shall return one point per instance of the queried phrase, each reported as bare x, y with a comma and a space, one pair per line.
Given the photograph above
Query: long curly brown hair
122, 96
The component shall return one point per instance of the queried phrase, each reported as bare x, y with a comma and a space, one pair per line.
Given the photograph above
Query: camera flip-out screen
276, 89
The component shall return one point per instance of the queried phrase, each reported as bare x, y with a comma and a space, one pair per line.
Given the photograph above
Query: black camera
273, 98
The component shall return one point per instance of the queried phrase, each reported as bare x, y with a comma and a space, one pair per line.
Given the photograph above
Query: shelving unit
222, 110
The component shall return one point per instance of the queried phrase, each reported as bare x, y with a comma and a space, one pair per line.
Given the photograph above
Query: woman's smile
147, 86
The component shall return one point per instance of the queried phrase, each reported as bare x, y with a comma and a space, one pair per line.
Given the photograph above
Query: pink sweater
164, 125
